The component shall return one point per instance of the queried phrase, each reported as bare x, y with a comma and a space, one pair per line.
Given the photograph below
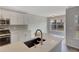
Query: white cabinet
22, 35
5, 14
28, 35
13, 18
26, 19
16, 18
20, 19
18, 32
14, 36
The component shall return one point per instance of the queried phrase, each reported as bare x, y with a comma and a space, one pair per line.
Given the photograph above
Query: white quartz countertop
48, 45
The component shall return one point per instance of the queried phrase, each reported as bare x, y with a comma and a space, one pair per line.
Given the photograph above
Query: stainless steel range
4, 36
4, 31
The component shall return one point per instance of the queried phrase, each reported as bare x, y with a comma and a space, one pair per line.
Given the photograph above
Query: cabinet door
21, 36
14, 36
5, 14
26, 19
28, 35
17, 18
13, 17
20, 19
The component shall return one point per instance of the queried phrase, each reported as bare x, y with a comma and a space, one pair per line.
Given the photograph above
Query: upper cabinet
4, 17
20, 19
15, 18
26, 19
5, 14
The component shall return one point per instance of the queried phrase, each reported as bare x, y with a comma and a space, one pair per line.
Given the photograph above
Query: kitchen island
52, 44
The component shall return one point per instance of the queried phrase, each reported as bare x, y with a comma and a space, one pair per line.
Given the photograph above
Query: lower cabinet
24, 35
20, 35
14, 36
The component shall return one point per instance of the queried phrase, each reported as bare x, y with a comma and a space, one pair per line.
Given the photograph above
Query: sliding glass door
56, 26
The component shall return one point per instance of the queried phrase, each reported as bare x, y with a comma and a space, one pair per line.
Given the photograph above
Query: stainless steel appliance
4, 36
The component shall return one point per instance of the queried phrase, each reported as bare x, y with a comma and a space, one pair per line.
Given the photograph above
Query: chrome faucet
41, 35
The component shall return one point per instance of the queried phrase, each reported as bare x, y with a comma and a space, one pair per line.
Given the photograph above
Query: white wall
37, 22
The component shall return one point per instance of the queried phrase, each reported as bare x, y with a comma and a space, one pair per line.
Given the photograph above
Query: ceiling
45, 11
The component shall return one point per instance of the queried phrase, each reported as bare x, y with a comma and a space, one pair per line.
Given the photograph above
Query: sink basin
33, 42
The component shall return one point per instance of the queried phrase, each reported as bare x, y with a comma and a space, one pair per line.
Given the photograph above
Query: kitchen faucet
41, 35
